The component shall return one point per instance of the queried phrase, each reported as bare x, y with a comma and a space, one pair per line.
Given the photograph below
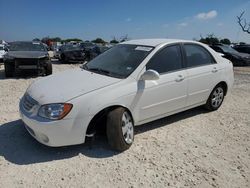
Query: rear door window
197, 56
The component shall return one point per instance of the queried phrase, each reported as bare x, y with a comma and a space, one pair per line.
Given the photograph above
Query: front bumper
54, 133
30, 63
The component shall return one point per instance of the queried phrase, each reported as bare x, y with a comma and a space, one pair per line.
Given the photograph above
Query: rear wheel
216, 98
120, 129
9, 69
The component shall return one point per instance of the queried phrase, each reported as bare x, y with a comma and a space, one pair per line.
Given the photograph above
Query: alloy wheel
127, 128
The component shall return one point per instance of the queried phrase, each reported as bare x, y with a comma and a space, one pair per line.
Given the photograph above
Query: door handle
214, 70
179, 78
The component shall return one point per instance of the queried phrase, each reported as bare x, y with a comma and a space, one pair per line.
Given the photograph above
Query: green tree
225, 41
114, 41
56, 39
99, 40
210, 39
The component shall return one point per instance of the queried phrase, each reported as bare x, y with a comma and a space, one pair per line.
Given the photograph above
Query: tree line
210, 39
99, 40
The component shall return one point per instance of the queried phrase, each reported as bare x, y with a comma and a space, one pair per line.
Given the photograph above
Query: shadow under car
18, 147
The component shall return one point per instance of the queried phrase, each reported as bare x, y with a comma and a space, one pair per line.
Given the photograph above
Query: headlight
55, 111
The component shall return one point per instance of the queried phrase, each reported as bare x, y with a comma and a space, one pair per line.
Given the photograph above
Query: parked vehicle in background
73, 42
243, 48
133, 83
91, 50
27, 56
56, 50
71, 53
3, 51
84, 51
103, 48
237, 58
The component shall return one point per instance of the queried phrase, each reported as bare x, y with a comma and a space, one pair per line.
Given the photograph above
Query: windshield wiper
101, 71
98, 70
105, 72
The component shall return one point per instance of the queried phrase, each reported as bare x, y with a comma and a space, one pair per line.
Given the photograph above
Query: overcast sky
88, 19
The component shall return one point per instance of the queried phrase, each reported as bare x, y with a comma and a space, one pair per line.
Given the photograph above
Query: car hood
244, 55
239, 54
64, 86
27, 54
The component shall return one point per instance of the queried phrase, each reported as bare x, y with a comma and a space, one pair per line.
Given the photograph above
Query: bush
99, 41
225, 41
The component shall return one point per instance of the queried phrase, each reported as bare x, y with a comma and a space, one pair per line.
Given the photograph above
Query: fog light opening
44, 138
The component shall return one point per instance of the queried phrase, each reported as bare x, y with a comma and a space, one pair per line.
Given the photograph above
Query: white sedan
133, 83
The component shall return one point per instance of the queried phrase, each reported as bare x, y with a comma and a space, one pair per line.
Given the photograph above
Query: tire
215, 98
64, 58
48, 69
120, 129
9, 69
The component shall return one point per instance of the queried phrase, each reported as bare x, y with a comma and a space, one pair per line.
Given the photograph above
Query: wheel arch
224, 85
99, 119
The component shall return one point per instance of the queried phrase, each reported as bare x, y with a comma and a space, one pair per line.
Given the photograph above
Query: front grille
28, 102
26, 61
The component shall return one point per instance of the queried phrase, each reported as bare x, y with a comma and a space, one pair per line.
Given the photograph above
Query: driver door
169, 92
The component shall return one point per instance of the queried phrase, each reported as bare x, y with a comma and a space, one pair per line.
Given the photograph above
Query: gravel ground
193, 148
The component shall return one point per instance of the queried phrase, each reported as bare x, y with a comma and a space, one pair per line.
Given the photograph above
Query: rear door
202, 73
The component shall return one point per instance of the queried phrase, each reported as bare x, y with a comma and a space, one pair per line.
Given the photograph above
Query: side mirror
221, 54
150, 75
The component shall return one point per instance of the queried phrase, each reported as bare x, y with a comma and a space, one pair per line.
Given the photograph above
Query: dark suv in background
243, 48
84, 51
237, 58
27, 57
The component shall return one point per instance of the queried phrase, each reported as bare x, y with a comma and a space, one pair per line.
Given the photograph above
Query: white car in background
133, 83
2, 52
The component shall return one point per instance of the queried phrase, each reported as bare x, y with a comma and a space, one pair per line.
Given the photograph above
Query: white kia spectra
133, 83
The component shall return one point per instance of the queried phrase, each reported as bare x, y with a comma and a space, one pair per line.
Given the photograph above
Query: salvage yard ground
193, 148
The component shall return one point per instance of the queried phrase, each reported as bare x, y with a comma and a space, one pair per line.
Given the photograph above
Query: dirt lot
193, 148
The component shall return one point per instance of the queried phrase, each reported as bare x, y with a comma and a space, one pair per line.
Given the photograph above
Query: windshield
26, 46
228, 49
86, 44
120, 61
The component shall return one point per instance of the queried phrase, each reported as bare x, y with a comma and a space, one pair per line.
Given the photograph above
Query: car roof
155, 42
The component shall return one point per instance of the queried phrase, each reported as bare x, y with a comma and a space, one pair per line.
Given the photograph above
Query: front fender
120, 94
